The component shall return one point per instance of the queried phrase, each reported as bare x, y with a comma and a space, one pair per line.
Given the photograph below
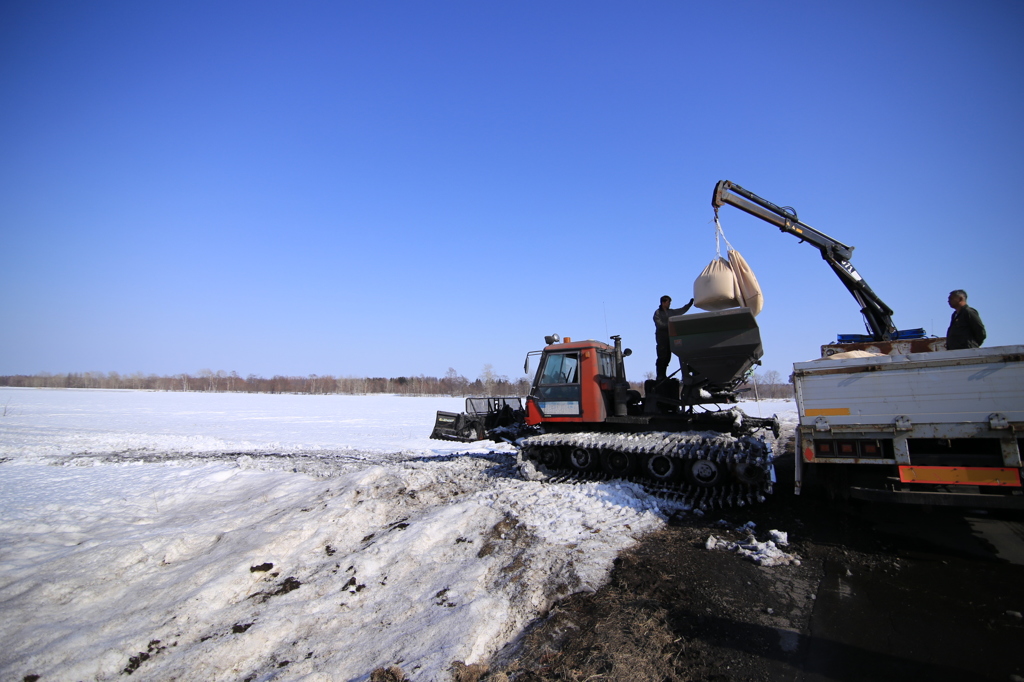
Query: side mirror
626, 353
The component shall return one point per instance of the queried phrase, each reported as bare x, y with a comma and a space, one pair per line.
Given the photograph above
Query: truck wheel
661, 468
582, 459
616, 463
704, 472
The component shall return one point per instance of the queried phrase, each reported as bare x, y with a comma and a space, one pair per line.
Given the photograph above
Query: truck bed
915, 426
946, 387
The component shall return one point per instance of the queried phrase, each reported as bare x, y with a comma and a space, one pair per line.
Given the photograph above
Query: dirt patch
864, 602
289, 584
135, 662
675, 610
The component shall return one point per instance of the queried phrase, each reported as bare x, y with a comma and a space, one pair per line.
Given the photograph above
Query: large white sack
750, 291
851, 354
715, 288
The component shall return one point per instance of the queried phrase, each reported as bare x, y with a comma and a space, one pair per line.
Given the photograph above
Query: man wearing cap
661, 316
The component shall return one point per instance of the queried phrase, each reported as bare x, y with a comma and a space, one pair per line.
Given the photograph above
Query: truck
892, 415
937, 428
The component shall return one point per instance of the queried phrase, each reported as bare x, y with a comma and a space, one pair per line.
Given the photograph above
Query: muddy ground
881, 592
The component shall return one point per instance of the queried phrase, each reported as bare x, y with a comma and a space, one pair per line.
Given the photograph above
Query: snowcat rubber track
737, 470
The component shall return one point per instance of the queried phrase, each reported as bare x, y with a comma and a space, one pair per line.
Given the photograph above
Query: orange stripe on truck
1004, 476
828, 412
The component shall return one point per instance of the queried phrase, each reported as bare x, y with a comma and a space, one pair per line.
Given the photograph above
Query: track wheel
582, 459
661, 468
549, 457
704, 472
616, 463
750, 474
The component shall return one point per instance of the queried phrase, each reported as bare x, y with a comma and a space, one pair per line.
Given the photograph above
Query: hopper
717, 347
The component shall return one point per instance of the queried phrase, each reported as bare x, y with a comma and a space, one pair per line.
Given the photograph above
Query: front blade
457, 427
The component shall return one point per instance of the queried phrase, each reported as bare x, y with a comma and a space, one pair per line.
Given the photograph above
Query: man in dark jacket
661, 316
965, 327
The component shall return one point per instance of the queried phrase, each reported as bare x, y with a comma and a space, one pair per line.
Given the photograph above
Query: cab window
558, 386
561, 368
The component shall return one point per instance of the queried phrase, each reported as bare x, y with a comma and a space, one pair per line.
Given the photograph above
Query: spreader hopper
717, 347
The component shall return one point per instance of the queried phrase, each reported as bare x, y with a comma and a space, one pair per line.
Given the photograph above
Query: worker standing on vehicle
661, 316
965, 327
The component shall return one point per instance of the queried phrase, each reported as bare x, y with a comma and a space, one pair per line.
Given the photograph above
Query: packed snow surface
278, 537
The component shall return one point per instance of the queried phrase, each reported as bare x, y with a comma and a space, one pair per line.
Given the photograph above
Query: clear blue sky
396, 188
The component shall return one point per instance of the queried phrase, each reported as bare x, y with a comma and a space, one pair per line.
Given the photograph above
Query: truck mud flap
458, 427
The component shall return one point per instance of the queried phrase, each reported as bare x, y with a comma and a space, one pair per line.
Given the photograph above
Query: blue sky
386, 189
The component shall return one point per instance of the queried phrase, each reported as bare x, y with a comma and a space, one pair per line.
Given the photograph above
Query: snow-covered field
278, 537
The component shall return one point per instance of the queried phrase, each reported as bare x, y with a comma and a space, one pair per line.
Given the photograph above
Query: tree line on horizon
767, 385
452, 383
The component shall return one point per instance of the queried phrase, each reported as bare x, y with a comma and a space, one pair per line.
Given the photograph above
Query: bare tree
208, 379
487, 378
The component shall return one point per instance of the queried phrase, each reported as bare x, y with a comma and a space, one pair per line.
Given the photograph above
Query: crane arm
877, 315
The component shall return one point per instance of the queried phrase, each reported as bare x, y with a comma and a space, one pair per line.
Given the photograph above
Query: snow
138, 530
765, 553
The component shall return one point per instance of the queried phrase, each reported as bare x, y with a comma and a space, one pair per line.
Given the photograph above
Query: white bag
727, 283
715, 288
750, 290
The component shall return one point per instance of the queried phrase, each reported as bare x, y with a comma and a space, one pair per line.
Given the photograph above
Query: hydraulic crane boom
877, 315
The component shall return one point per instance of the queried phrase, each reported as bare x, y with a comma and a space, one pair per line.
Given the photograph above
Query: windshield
561, 368
558, 385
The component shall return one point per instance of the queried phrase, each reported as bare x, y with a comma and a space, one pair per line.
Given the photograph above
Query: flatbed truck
939, 428
913, 422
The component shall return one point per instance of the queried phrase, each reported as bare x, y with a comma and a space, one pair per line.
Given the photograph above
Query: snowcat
583, 420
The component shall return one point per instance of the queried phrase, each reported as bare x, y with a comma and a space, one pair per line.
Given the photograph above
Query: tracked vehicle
683, 437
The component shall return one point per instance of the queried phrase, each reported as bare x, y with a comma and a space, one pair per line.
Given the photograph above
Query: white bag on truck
750, 290
715, 288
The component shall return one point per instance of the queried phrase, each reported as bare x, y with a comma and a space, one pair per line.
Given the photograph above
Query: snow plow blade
481, 415
458, 427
